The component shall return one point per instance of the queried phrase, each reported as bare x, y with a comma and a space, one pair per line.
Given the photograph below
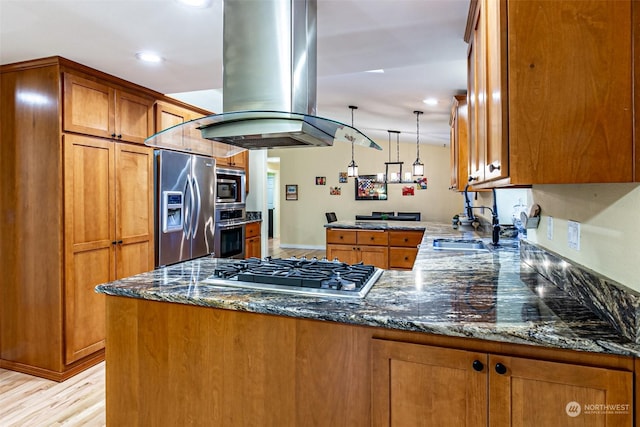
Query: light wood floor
28, 401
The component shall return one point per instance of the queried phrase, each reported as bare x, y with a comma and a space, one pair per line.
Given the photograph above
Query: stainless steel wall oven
230, 232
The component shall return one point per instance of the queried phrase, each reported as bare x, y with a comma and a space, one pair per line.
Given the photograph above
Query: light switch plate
549, 228
573, 232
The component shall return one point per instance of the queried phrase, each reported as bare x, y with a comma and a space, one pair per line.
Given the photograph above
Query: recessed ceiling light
196, 3
430, 101
378, 71
150, 57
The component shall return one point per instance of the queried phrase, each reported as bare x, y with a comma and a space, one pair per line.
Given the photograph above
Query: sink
459, 244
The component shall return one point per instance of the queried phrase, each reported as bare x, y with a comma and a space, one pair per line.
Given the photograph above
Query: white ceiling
418, 43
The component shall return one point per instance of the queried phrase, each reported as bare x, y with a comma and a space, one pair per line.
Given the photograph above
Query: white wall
302, 221
610, 234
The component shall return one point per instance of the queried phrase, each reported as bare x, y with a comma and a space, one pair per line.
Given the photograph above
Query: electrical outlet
549, 228
573, 229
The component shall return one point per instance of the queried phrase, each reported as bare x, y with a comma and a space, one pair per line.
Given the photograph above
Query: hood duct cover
269, 85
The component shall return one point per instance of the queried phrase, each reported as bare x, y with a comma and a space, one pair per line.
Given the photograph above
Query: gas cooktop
317, 277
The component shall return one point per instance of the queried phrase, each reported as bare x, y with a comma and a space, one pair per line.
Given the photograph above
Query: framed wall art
291, 192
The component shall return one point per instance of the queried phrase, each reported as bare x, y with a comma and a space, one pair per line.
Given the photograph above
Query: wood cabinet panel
374, 255
422, 385
89, 199
402, 258
134, 209
555, 386
343, 253
459, 143
89, 107
373, 238
405, 238
252, 229
340, 236
134, 117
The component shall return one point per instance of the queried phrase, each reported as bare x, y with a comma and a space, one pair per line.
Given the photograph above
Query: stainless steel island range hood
269, 85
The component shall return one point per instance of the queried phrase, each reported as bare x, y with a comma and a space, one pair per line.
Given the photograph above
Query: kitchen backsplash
254, 216
611, 301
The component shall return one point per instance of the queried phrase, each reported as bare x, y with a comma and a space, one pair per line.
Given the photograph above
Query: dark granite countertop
489, 295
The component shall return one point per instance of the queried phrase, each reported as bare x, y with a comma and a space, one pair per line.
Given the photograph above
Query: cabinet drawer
402, 257
252, 230
373, 238
405, 238
338, 236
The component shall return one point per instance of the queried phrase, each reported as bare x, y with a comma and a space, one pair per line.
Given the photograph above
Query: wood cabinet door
533, 393
134, 210
343, 253
496, 163
477, 98
134, 117
374, 255
402, 258
89, 224
89, 107
253, 247
420, 385
571, 109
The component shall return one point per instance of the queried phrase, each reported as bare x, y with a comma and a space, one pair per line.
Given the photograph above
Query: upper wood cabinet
189, 139
95, 108
459, 143
240, 160
550, 92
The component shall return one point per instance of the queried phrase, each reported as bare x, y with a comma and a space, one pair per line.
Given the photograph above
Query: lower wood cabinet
108, 200
229, 368
253, 240
392, 249
415, 384
350, 246
403, 248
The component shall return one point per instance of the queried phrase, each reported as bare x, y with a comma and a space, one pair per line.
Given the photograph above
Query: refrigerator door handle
186, 228
197, 202
192, 202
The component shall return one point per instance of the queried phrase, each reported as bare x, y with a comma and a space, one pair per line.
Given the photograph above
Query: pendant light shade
352, 168
418, 166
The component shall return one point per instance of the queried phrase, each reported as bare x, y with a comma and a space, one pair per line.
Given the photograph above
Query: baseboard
311, 247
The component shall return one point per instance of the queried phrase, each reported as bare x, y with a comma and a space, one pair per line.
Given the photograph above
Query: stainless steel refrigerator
185, 206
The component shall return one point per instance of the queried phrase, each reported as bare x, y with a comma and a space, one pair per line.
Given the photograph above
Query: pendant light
394, 177
352, 168
418, 166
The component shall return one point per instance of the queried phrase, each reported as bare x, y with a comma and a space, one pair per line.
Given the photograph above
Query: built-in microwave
230, 186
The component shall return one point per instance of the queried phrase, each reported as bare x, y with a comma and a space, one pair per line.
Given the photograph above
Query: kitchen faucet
495, 221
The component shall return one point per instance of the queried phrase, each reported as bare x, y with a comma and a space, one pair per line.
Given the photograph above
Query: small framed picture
342, 177
291, 192
321, 180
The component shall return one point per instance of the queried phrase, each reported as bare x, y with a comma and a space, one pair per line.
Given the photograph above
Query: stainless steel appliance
298, 275
230, 223
230, 187
185, 206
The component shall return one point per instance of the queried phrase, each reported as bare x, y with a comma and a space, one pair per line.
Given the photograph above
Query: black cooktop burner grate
319, 275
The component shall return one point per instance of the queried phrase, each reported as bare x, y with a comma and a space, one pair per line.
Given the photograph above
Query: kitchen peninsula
470, 333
